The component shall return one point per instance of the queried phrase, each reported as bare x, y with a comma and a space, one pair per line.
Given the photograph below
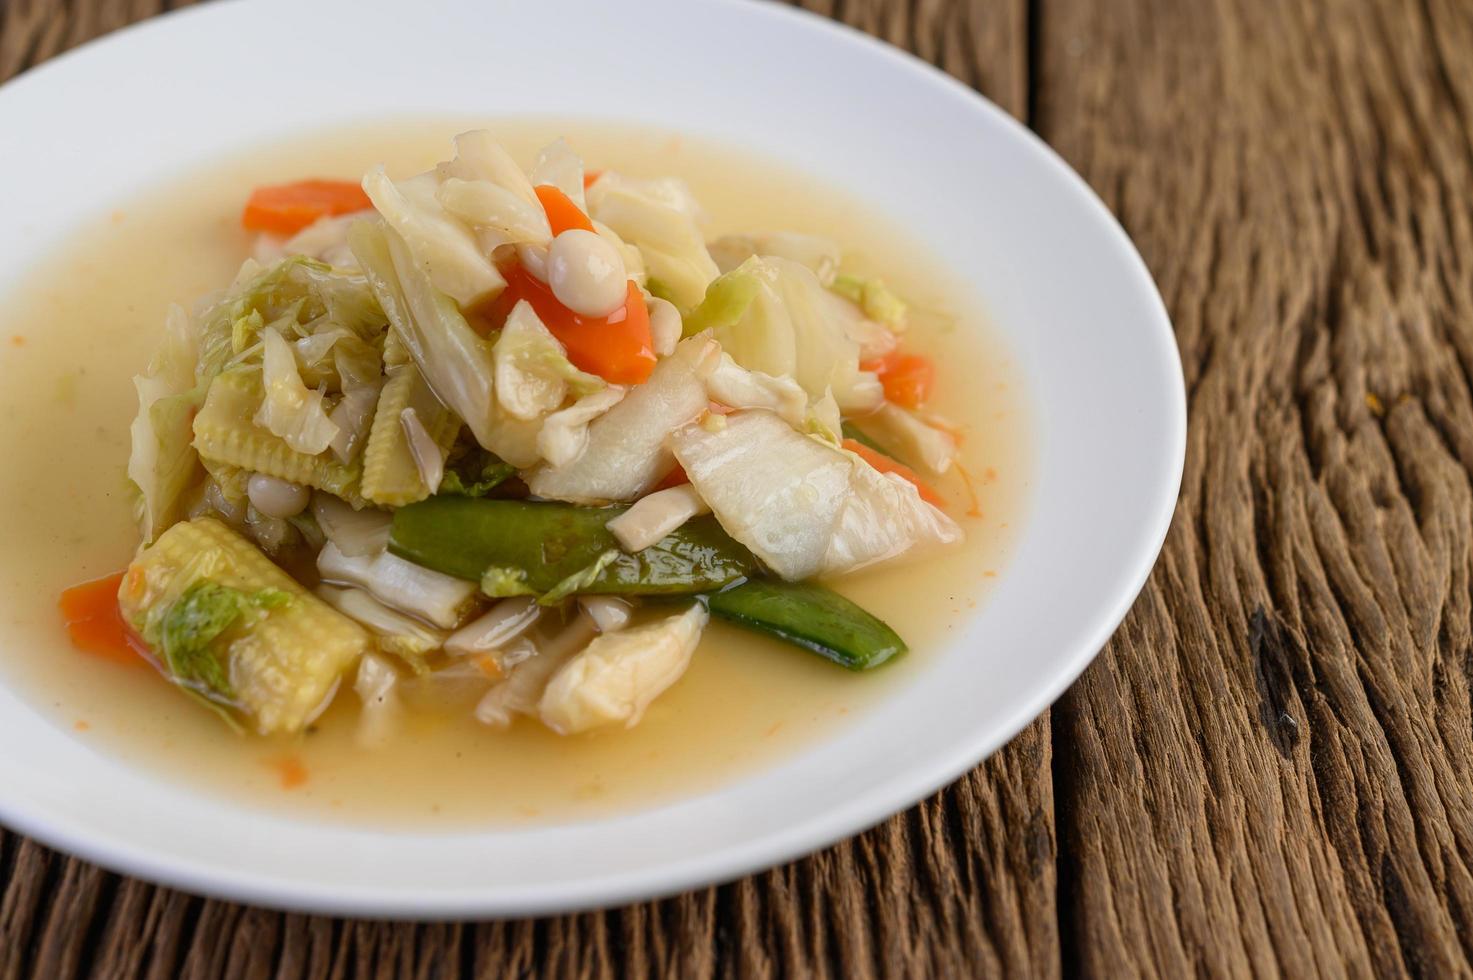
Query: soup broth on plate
89, 318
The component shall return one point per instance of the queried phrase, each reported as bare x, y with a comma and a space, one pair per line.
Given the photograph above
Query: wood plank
1271, 767
963, 885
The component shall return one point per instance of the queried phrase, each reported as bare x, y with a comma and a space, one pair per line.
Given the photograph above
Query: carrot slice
590, 177
885, 464
617, 348
285, 209
906, 378
562, 213
94, 622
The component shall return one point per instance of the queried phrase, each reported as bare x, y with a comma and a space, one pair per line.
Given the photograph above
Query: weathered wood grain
1270, 770
963, 885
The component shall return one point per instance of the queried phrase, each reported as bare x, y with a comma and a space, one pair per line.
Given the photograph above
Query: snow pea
541, 546
810, 616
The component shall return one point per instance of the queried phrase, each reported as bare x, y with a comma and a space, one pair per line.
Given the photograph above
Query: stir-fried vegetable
772, 315
395, 632
483, 412
820, 255
906, 378
885, 464
626, 453
616, 347
235, 629
522, 690
877, 300
661, 218
931, 448
286, 209
655, 516
812, 617
614, 680
433, 597
814, 510
533, 548
163, 462
93, 621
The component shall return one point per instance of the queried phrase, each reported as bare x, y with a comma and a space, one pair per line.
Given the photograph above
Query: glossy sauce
90, 318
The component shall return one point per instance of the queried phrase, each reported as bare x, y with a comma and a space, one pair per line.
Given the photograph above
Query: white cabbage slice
665, 325
495, 629
532, 370
633, 261
626, 453
488, 207
356, 533
564, 434
557, 165
827, 356
395, 632
523, 687
326, 239
802, 506
377, 687
820, 255
730, 384
163, 463
442, 246
290, 409
433, 597
659, 217
930, 448
772, 315
614, 680
479, 157
455, 361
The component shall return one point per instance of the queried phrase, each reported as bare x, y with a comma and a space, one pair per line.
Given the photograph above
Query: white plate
1059, 276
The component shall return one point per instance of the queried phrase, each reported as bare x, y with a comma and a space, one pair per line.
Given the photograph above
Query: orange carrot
562, 213
95, 624
617, 348
590, 177
907, 378
286, 209
885, 464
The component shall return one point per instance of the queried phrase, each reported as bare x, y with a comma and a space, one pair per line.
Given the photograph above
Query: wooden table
1270, 767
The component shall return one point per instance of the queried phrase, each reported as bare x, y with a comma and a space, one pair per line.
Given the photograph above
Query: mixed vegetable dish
503, 441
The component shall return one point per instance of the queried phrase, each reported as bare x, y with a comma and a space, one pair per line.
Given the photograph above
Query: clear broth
90, 317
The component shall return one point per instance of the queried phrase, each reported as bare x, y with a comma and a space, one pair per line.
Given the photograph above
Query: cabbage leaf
802, 506
626, 453
290, 409
162, 463
533, 373
659, 217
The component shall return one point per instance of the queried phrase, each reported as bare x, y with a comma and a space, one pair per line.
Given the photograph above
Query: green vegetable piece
879, 301
580, 581
540, 547
188, 628
727, 299
658, 289
812, 617
499, 583
475, 474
